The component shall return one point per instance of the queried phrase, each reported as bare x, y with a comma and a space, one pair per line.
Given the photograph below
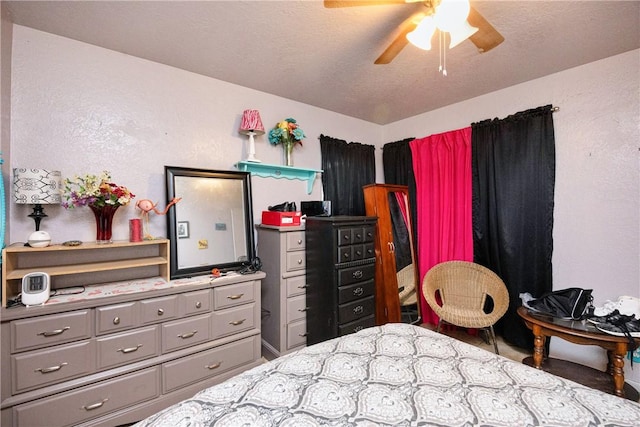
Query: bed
401, 375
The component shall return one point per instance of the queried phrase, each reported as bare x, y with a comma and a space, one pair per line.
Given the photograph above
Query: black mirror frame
170, 173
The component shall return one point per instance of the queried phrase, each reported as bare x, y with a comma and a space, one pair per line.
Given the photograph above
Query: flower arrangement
286, 132
94, 191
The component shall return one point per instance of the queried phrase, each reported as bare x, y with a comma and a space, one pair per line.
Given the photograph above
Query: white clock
35, 288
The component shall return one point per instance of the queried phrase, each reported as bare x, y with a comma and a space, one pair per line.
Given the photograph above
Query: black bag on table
570, 303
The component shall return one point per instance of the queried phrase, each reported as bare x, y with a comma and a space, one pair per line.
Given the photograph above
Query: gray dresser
284, 320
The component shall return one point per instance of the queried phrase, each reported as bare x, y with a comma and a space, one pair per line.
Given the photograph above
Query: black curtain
346, 168
397, 164
513, 167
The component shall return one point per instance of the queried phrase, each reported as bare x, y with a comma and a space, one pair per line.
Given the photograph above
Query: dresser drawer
355, 310
232, 295
185, 333
196, 302
296, 285
85, 403
347, 276
295, 240
50, 330
296, 334
127, 347
52, 365
296, 308
232, 320
115, 318
296, 260
196, 367
159, 309
353, 292
358, 325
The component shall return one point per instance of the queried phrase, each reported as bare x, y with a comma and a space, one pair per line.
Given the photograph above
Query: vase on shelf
104, 221
288, 152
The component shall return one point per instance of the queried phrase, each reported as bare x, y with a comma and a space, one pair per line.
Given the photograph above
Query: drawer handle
357, 274
358, 328
55, 332
129, 349
213, 366
359, 309
235, 296
303, 335
237, 322
187, 335
303, 286
299, 241
358, 291
358, 253
302, 310
160, 312
51, 369
300, 261
116, 320
198, 304
95, 405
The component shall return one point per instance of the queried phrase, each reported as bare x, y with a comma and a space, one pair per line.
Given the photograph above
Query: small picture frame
183, 229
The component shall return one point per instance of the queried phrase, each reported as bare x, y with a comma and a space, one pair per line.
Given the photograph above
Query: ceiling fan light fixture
451, 13
421, 36
461, 33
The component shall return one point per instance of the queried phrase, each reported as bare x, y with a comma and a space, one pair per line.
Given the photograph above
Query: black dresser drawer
356, 309
356, 291
356, 326
347, 276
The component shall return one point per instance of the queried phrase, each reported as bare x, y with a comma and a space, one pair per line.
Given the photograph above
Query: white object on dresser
284, 318
116, 359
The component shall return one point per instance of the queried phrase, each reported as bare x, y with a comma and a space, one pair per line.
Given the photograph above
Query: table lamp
37, 187
251, 125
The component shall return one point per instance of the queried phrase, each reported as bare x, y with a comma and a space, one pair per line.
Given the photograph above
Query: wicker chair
463, 288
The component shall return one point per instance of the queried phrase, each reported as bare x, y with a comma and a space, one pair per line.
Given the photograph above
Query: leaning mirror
212, 225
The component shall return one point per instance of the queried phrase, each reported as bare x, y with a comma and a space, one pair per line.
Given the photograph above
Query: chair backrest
457, 292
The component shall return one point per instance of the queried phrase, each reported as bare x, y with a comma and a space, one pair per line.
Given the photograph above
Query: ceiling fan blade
400, 41
487, 37
350, 3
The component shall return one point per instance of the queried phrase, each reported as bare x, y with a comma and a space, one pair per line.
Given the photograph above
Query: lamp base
254, 160
37, 215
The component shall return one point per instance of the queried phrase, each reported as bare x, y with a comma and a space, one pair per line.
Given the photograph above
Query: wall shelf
277, 171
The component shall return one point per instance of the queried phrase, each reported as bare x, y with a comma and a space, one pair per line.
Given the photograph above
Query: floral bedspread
399, 375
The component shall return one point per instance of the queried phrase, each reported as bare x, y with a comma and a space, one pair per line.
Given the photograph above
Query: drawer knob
300, 262
303, 286
302, 310
198, 304
187, 335
95, 405
303, 335
299, 241
116, 320
129, 349
358, 274
238, 296
51, 369
213, 365
160, 312
358, 309
237, 322
358, 291
54, 332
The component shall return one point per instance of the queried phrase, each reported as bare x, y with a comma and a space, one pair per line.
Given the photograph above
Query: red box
281, 218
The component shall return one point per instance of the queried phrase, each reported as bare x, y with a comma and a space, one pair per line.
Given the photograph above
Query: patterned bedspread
400, 375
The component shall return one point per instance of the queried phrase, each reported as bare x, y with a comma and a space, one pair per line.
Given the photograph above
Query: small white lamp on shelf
251, 125
37, 187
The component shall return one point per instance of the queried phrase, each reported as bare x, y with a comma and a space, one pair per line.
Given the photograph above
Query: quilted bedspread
399, 375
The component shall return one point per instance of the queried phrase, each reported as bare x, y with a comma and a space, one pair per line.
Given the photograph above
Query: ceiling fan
485, 38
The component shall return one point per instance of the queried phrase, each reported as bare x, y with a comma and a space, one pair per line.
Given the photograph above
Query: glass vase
104, 221
288, 153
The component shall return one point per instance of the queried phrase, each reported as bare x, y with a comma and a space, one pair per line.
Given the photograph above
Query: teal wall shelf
276, 171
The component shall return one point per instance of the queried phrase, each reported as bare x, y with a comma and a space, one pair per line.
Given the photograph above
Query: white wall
597, 196
80, 109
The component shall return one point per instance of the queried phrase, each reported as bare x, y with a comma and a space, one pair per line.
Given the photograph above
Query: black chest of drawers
340, 263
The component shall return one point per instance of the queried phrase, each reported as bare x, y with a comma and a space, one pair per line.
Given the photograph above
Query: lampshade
461, 33
36, 187
450, 14
251, 122
421, 36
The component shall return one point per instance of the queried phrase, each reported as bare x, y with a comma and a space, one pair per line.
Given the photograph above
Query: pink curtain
442, 168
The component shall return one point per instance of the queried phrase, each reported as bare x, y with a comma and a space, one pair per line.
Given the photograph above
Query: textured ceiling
324, 57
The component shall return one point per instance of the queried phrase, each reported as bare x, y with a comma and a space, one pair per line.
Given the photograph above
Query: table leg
538, 346
616, 367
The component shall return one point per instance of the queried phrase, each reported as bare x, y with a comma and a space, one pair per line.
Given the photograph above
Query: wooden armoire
397, 286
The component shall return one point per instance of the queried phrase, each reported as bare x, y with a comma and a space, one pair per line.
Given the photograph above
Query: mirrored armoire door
396, 267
